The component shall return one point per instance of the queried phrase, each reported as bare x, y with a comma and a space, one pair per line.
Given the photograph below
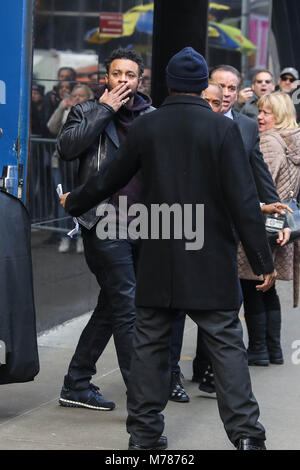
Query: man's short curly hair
121, 53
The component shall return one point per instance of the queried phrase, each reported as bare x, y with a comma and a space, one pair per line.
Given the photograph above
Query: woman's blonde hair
283, 109
89, 93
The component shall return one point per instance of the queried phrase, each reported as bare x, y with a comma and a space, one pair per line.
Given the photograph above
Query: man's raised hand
116, 97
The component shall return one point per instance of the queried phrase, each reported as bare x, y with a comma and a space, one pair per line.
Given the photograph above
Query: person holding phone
262, 84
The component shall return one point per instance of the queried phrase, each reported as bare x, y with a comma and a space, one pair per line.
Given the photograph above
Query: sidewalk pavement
31, 418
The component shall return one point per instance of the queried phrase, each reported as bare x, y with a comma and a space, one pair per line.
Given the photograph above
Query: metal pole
245, 28
270, 33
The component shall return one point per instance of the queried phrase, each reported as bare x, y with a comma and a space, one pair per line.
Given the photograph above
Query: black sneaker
160, 444
207, 383
90, 398
177, 392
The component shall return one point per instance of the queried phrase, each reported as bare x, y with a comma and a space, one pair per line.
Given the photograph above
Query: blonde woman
79, 94
280, 145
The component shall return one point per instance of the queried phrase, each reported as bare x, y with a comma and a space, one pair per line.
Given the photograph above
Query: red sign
111, 23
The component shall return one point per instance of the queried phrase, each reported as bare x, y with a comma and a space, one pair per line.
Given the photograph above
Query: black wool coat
188, 155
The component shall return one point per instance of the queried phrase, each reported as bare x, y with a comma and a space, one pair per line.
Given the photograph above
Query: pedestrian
262, 83
202, 372
38, 121
79, 94
92, 133
185, 154
280, 145
288, 82
145, 86
53, 98
229, 78
202, 367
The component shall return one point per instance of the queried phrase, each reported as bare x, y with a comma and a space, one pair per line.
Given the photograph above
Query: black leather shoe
161, 444
177, 392
250, 444
207, 383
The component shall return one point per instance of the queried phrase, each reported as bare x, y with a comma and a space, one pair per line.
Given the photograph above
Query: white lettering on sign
2, 92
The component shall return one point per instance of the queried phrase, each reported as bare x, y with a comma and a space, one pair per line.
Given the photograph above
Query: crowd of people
235, 149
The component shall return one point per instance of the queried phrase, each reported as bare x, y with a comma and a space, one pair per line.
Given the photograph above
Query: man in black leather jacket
92, 133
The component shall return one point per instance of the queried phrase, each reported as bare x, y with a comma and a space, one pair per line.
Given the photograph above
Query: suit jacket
185, 153
264, 183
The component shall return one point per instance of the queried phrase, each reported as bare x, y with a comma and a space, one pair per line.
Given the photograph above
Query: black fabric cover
17, 310
285, 26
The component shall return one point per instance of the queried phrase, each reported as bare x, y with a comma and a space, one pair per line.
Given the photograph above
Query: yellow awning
218, 6
244, 45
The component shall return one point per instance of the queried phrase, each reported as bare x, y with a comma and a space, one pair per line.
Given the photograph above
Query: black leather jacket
91, 136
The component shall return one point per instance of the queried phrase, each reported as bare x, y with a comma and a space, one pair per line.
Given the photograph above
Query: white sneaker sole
78, 404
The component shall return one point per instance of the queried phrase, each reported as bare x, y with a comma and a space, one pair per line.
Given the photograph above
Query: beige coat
273, 145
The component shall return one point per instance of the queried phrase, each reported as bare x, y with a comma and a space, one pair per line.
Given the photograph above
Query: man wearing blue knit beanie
187, 72
188, 166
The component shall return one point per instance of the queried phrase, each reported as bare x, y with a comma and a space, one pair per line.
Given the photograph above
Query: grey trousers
149, 378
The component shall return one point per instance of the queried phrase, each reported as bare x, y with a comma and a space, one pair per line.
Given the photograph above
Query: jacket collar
186, 99
236, 115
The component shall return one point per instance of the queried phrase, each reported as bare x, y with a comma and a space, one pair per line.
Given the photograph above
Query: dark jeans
148, 390
113, 263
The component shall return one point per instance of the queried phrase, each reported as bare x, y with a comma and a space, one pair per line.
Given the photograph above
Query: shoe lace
94, 388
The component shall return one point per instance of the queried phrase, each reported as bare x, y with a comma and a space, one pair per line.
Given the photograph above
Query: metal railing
46, 171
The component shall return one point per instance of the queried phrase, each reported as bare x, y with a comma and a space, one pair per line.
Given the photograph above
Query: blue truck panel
16, 20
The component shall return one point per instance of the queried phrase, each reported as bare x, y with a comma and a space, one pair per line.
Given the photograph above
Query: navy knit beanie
187, 71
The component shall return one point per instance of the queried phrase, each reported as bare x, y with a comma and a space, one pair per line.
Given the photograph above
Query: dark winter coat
188, 154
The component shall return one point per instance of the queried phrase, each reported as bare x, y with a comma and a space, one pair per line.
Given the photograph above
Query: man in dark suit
185, 154
229, 78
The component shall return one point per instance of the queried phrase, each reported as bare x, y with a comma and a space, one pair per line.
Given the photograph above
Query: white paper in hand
59, 189
75, 230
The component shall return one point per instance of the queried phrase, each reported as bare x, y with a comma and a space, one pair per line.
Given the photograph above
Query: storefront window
68, 30
238, 34
66, 36
72, 39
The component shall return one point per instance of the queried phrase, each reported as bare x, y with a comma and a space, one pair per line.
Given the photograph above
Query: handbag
293, 219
